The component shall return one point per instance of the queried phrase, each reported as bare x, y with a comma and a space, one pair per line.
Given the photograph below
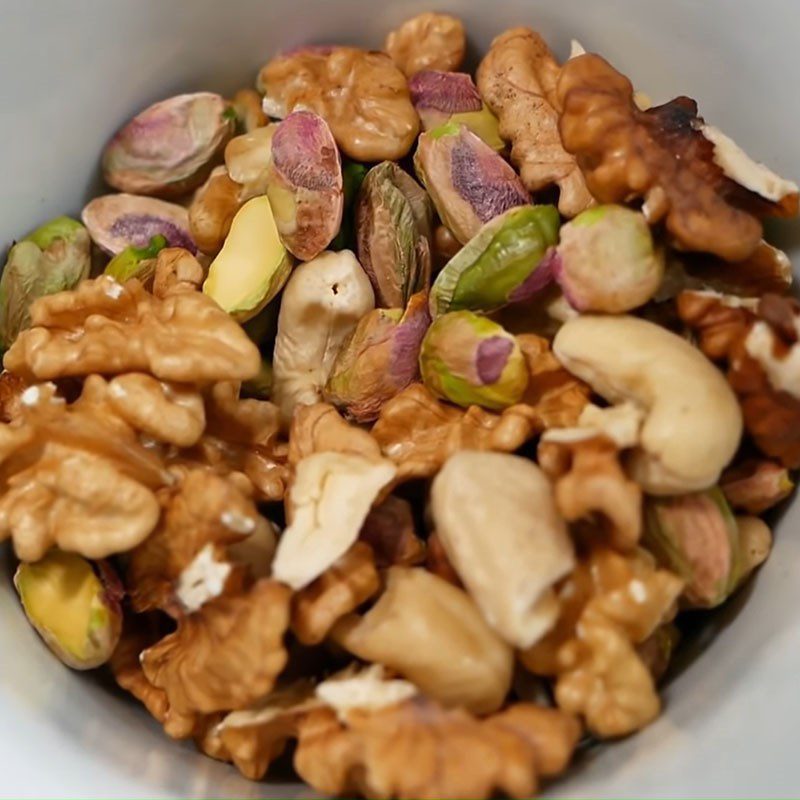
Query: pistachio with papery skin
304, 184
74, 605
169, 148
509, 260
136, 262
467, 180
117, 221
696, 536
54, 258
442, 97
470, 360
607, 261
393, 230
380, 358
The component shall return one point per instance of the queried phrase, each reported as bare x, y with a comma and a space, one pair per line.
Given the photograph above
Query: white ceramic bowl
71, 72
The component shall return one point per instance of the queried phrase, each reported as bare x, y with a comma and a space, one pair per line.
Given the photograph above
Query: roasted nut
318, 428
393, 232
719, 320
590, 482
607, 261
696, 537
389, 531
117, 221
212, 211
322, 302
168, 148
468, 182
247, 105
341, 589
247, 159
74, 607
378, 360
517, 79
442, 97
105, 327
136, 262
496, 517
609, 604
227, 655
756, 485
76, 501
176, 270
755, 545
419, 749
304, 184
54, 258
693, 422
508, 260
468, 360
252, 266
419, 433
330, 498
437, 562
432, 633
11, 390
427, 41
661, 155
361, 95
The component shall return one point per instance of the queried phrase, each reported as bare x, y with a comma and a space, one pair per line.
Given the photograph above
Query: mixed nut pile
408, 464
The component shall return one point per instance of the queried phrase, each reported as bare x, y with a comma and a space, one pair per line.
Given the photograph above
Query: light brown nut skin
11, 387
247, 105
109, 328
362, 96
517, 80
428, 41
337, 592
227, 655
419, 749
432, 634
389, 531
756, 485
213, 209
177, 270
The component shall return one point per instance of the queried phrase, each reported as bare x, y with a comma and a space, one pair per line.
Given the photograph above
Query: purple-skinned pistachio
74, 605
379, 359
509, 260
304, 184
117, 221
393, 234
608, 261
697, 537
468, 182
170, 147
442, 97
471, 360
756, 485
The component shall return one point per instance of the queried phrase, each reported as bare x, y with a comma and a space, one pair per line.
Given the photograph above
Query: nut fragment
360, 94
389, 531
341, 589
330, 498
247, 159
427, 41
247, 105
74, 606
467, 180
517, 79
168, 148
589, 481
756, 485
320, 306
212, 211
432, 633
227, 655
660, 155
378, 360
176, 270
108, 328
496, 517
609, 604
419, 749
137, 262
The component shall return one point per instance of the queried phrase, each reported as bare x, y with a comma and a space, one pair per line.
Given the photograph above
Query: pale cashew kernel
693, 423
496, 517
432, 634
321, 304
330, 499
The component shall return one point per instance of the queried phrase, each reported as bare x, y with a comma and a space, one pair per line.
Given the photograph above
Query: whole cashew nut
321, 304
693, 423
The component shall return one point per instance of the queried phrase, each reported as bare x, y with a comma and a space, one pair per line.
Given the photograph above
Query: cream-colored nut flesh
496, 517
693, 423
